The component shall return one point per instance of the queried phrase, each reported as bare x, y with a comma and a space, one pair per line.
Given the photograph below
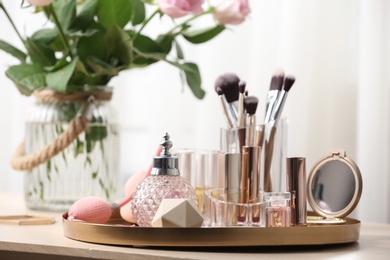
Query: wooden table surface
48, 242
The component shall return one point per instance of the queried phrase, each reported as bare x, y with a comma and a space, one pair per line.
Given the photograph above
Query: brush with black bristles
251, 103
225, 108
275, 87
228, 82
241, 105
281, 100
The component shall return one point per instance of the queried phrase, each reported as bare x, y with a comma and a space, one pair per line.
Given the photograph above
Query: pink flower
40, 2
179, 8
231, 11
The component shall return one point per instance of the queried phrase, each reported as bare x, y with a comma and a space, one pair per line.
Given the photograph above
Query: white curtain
337, 50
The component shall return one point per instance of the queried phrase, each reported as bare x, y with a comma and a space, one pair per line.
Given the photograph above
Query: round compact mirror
334, 186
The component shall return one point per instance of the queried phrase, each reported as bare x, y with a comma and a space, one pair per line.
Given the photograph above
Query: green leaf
58, 80
59, 64
66, 12
157, 56
82, 77
27, 77
118, 44
193, 78
116, 12
102, 68
96, 133
179, 51
93, 45
138, 12
40, 53
85, 13
49, 38
79, 148
203, 35
13, 51
165, 42
146, 44
45, 36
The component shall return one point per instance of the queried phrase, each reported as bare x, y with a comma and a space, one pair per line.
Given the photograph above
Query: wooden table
48, 242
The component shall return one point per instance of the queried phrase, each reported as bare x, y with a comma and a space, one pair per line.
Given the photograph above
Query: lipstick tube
296, 185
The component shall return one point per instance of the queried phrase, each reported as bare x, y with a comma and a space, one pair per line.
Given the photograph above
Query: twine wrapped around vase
22, 162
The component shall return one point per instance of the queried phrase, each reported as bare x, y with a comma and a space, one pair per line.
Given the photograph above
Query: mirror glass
333, 186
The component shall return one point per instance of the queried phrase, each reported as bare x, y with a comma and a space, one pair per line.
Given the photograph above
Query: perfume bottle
164, 182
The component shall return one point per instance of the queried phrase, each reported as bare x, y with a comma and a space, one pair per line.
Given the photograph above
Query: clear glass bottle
278, 212
88, 166
164, 182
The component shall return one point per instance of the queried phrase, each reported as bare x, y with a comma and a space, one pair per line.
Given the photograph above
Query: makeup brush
275, 87
225, 108
251, 103
281, 100
228, 82
241, 105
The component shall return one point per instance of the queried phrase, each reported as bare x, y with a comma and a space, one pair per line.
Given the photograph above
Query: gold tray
119, 232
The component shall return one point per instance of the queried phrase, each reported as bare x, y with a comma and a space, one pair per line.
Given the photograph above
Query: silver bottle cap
166, 163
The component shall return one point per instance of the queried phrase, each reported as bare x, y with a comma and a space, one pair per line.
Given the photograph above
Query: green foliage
89, 42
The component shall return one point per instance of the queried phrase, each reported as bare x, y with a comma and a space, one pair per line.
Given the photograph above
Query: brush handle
227, 111
233, 107
271, 100
278, 108
268, 150
259, 135
241, 111
250, 129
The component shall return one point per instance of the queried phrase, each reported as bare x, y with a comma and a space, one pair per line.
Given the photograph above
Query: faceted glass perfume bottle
164, 182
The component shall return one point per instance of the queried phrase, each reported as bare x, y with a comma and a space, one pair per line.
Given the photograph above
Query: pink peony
231, 11
40, 2
179, 8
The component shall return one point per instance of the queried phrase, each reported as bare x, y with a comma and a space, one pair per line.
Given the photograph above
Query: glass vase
86, 167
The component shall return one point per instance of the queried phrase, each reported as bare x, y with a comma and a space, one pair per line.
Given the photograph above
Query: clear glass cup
225, 209
200, 168
273, 140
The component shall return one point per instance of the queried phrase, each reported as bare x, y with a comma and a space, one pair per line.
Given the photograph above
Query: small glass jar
164, 182
278, 211
88, 166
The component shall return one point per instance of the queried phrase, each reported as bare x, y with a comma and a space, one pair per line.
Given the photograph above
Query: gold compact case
334, 188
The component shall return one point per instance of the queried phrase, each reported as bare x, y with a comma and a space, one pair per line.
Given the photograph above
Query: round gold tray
119, 232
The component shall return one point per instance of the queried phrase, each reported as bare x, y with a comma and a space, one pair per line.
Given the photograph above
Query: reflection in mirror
333, 186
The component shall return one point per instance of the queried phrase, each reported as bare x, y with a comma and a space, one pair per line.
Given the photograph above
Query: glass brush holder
272, 140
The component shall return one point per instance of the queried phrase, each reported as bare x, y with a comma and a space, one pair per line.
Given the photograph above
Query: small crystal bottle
164, 182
